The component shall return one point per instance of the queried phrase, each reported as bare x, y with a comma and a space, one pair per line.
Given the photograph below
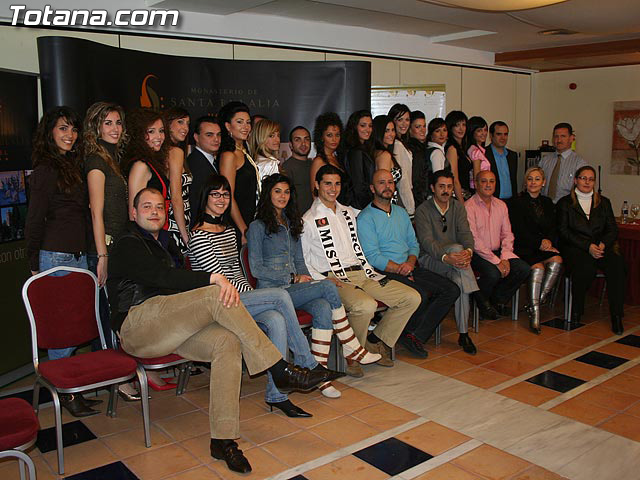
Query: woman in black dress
533, 222
327, 138
588, 234
456, 153
359, 162
237, 165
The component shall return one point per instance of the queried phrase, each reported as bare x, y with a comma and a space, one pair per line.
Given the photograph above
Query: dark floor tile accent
560, 323
299, 477
112, 471
631, 340
73, 433
392, 456
603, 360
555, 381
45, 396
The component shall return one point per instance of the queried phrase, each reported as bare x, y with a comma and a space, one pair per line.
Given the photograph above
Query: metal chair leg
113, 401
23, 459
603, 291
439, 334
36, 396
476, 316
58, 419
144, 393
515, 303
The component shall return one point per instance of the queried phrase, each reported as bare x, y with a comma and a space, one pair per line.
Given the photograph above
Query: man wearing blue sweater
390, 245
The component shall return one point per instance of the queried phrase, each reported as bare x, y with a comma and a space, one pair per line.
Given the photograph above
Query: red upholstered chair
18, 432
168, 361
63, 312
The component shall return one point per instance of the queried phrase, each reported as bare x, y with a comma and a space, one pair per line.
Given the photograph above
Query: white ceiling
594, 20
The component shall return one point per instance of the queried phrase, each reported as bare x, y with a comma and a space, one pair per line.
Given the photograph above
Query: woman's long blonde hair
258, 137
93, 120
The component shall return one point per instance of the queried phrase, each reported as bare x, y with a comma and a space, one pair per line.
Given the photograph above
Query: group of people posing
393, 218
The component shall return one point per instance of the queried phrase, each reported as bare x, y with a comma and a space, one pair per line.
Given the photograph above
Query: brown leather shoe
354, 370
383, 350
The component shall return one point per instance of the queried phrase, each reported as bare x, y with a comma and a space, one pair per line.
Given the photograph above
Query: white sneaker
330, 391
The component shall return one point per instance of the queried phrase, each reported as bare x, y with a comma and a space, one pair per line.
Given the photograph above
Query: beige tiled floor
476, 415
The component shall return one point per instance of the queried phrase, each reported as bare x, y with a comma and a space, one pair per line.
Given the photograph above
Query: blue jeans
60, 259
317, 298
273, 310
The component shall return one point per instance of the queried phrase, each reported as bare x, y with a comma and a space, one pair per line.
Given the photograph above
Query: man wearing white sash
332, 250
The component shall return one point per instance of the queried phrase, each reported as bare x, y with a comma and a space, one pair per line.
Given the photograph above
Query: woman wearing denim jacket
275, 258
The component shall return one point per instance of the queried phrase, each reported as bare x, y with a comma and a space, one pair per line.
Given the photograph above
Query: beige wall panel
490, 94
416, 73
248, 52
170, 46
19, 50
383, 71
589, 108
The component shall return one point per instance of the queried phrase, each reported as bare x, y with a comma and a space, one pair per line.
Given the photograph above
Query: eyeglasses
217, 195
586, 179
443, 219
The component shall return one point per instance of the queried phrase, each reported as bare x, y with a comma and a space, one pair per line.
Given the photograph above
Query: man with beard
390, 245
298, 166
446, 246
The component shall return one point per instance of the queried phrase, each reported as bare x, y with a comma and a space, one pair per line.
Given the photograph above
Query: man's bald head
383, 186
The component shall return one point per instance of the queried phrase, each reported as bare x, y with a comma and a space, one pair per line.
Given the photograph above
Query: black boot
228, 451
75, 406
288, 377
487, 311
616, 324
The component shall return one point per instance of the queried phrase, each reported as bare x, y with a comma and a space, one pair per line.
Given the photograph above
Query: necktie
553, 181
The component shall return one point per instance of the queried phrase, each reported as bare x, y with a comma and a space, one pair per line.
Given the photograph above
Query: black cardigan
141, 268
529, 228
579, 232
360, 167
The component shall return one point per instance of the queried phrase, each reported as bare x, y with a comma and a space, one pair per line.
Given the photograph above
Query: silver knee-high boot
551, 273
533, 309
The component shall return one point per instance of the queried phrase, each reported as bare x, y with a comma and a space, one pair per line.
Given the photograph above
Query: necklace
212, 220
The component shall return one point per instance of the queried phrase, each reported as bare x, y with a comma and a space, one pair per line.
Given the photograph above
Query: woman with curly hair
264, 146
327, 138
57, 218
384, 136
358, 161
401, 117
177, 120
237, 165
275, 257
146, 157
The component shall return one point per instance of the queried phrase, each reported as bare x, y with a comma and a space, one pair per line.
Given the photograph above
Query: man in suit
202, 159
560, 166
504, 162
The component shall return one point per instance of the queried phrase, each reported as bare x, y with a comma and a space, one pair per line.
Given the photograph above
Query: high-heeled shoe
89, 402
129, 397
289, 409
160, 388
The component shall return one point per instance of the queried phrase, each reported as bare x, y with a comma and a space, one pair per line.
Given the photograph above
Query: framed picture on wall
625, 147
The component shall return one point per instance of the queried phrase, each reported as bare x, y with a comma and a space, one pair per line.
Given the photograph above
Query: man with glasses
446, 246
500, 270
390, 245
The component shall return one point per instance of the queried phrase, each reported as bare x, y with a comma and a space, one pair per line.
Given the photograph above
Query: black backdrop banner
18, 120
78, 72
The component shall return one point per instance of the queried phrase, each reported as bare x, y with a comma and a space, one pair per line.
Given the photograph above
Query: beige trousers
360, 300
196, 326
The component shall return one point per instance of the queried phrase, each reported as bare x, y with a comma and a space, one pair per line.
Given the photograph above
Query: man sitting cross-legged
158, 309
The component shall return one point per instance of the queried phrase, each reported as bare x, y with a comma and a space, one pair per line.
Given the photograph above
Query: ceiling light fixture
495, 5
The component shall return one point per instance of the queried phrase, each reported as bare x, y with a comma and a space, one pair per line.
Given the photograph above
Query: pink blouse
476, 152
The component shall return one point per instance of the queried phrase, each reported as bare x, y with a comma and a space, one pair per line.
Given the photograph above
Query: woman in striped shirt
213, 248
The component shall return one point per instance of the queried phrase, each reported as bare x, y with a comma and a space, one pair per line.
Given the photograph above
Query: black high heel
289, 409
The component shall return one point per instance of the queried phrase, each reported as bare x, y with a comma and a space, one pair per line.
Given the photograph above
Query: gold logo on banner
148, 96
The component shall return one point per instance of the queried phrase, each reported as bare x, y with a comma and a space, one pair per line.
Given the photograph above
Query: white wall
589, 109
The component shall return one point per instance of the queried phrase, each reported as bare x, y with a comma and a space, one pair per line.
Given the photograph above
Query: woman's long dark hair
396, 111
451, 120
323, 122
267, 212
379, 126
138, 121
46, 152
214, 182
473, 124
226, 113
351, 137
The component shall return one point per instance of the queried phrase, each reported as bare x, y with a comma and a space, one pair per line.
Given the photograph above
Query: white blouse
405, 187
